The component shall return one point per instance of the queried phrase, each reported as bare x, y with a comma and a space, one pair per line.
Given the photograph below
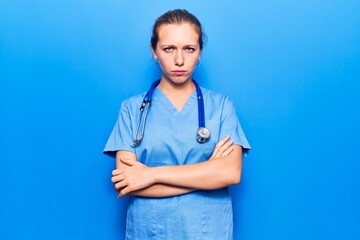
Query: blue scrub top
170, 139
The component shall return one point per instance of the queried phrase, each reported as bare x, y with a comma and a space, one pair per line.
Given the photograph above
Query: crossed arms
221, 170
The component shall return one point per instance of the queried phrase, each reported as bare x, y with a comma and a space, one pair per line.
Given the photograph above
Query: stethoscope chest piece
203, 134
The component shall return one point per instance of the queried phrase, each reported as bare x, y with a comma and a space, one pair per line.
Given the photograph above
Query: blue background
291, 67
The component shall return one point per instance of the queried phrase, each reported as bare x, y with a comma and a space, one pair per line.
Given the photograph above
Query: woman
178, 187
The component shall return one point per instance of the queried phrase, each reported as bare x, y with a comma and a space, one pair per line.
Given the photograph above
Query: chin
179, 80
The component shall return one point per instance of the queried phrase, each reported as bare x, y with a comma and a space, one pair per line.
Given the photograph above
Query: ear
154, 53
199, 57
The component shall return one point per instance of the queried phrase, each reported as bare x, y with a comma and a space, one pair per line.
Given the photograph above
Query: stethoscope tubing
201, 109
144, 108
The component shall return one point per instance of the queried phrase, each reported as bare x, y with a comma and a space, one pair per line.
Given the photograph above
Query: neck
169, 87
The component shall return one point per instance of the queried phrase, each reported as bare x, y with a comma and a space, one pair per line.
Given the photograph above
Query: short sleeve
230, 125
121, 135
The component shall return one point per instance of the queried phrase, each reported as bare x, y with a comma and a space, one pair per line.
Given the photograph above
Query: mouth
179, 72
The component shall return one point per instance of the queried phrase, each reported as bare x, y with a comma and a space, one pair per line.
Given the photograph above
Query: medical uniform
170, 139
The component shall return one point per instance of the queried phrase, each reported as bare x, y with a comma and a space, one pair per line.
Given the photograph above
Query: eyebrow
173, 45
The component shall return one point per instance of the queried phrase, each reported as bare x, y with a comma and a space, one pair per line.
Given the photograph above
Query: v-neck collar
188, 106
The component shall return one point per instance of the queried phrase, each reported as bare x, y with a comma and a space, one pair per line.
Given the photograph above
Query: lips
179, 72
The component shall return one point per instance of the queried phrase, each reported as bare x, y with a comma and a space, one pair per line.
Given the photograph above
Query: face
177, 51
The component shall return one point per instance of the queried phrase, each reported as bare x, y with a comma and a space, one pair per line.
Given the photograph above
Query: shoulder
215, 98
133, 102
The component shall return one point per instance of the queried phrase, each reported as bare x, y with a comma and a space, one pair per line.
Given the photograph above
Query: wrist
152, 175
156, 174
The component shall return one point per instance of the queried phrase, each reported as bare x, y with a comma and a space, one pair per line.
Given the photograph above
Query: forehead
183, 33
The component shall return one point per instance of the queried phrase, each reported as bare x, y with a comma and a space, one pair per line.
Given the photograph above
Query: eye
168, 49
190, 49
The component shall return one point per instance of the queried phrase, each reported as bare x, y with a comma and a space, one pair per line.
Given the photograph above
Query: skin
178, 52
125, 160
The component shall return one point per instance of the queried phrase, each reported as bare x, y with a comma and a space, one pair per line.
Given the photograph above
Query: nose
179, 58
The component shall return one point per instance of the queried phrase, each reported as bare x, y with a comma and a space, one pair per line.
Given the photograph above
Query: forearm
161, 190
221, 170
214, 174
155, 190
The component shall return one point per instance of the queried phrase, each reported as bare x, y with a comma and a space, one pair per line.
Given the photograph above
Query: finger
116, 172
223, 140
225, 146
218, 154
120, 185
116, 190
214, 153
216, 150
219, 145
117, 178
123, 192
228, 151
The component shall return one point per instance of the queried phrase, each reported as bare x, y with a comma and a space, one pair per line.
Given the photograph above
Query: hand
134, 177
223, 148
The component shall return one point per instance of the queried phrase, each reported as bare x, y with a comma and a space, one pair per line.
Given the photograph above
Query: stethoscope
203, 134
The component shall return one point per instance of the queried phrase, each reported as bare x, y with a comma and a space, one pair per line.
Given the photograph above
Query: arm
217, 173
155, 190
223, 148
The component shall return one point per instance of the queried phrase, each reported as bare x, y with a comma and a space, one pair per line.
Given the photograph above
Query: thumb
128, 161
